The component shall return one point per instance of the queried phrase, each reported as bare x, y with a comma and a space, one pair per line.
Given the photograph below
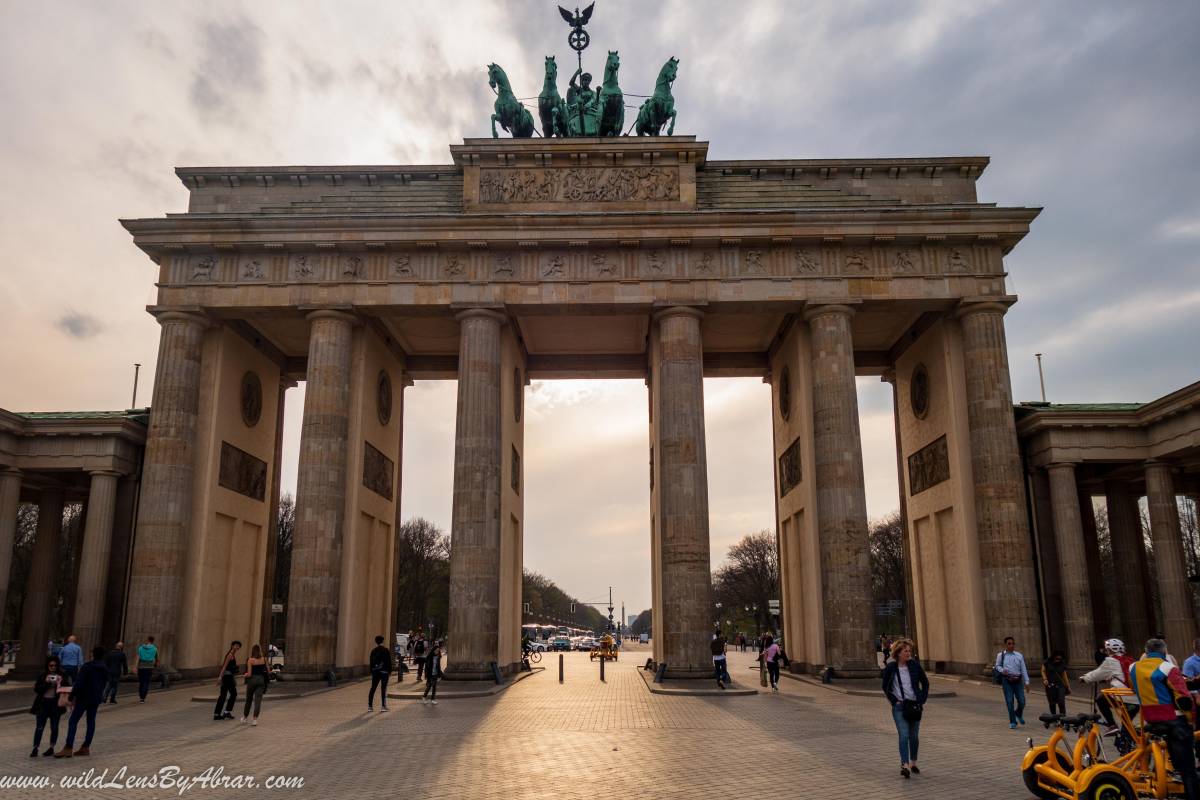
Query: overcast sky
1089, 109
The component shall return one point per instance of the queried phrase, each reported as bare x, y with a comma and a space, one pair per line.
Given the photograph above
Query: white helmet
1115, 646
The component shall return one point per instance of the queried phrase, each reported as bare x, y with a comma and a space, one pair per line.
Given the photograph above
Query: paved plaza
541, 739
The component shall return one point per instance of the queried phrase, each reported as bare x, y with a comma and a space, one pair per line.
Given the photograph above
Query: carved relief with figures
583, 185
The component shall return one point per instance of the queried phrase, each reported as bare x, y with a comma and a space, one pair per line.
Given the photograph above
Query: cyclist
1163, 692
1113, 672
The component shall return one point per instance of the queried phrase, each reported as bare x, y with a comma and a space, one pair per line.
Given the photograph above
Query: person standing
71, 657
381, 670
256, 684
770, 656
1163, 693
1056, 682
227, 680
906, 687
45, 705
118, 666
419, 655
86, 694
1013, 675
147, 653
720, 667
433, 671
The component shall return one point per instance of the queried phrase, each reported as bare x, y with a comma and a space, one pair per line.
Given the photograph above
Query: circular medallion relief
785, 393
383, 397
251, 399
918, 391
518, 393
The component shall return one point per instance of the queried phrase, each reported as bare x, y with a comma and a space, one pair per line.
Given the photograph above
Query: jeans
71, 672
721, 670
256, 685
1014, 692
1179, 747
908, 732
773, 672
79, 711
144, 675
47, 710
110, 689
420, 667
1057, 697
431, 683
380, 680
228, 695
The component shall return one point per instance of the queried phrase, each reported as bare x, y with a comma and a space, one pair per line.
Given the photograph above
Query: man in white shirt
1014, 677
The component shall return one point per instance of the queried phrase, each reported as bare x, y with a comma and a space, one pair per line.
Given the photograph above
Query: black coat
40, 686
920, 681
381, 660
116, 663
89, 686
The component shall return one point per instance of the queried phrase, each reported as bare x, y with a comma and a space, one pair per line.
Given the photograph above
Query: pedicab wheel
1030, 776
1109, 786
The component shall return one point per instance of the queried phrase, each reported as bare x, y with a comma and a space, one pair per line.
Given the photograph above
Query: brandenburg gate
629, 257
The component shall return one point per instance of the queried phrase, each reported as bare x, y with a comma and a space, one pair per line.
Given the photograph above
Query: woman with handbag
46, 706
906, 688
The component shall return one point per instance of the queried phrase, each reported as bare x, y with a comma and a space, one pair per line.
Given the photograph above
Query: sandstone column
315, 585
841, 495
10, 498
93, 560
1005, 546
41, 587
264, 627
475, 518
1129, 553
1178, 622
682, 519
910, 606
1072, 564
165, 514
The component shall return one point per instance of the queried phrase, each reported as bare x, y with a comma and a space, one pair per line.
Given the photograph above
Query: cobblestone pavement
542, 739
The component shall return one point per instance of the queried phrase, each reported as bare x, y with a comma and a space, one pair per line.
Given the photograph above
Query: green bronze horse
660, 107
612, 101
551, 107
509, 112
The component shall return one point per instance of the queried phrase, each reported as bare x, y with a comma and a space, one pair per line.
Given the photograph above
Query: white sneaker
242, 720
424, 700
254, 721
434, 702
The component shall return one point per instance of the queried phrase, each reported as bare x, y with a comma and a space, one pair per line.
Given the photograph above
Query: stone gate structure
577, 258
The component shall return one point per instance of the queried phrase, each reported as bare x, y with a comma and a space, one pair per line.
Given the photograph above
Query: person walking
256, 684
720, 667
71, 657
118, 667
227, 680
87, 694
147, 654
1011, 672
45, 705
419, 655
1056, 682
1163, 693
770, 656
433, 671
906, 687
381, 670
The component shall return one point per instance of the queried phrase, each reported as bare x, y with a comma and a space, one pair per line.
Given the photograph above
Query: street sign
276, 608
773, 606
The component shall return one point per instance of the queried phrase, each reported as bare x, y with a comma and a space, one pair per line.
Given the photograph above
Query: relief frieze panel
578, 185
241, 472
378, 470
928, 467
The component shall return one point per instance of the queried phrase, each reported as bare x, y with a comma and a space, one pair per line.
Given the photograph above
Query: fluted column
1005, 546
475, 517
1129, 554
93, 559
165, 514
683, 494
41, 586
1179, 621
1072, 564
841, 494
315, 583
10, 498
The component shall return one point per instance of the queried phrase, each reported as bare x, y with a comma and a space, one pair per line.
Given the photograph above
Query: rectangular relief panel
516, 471
242, 473
790, 473
929, 466
378, 470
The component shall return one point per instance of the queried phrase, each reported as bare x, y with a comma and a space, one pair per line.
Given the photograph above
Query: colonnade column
41, 586
315, 583
841, 495
1072, 564
1179, 622
10, 498
682, 513
93, 559
475, 516
1005, 549
165, 514
1129, 555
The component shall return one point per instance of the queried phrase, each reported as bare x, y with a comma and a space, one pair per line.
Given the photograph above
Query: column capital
679, 311
481, 312
1154, 463
195, 317
967, 307
104, 473
1061, 465
888, 376
342, 314
9, 472
842, 308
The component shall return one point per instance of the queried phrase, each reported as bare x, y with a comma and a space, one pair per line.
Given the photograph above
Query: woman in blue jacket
906, 688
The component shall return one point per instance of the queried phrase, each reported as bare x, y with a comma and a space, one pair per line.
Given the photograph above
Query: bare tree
22, 560
747, 581
423, 585
641, 624
886, 541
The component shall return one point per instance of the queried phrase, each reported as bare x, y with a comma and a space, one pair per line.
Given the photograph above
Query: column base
689, 672
478, 672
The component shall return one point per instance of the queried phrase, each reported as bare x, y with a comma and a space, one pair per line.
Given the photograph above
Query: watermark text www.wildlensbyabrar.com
170, 778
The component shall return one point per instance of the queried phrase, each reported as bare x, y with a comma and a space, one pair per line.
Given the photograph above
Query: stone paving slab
858, 687
283, 690
694, 687
449, 690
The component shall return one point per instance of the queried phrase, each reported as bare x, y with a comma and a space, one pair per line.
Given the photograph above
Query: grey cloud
79, 325
231, 68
